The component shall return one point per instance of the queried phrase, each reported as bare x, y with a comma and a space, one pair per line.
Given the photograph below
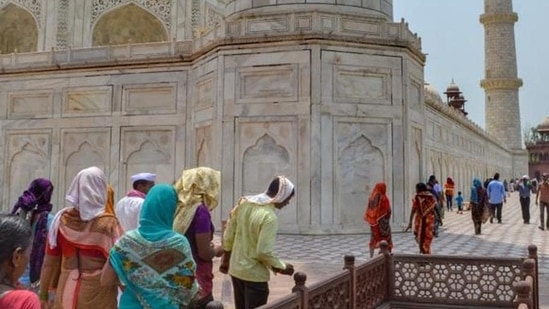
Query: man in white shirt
128, 208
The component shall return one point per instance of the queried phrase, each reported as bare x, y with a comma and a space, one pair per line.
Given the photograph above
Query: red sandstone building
538, 150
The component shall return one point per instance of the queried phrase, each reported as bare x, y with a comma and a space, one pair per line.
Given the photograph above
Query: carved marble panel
205, 92
147, 149
82, 148
361, 26
363, 151
204, 146
30, 104
264, 25
149, 99
87, 101
365, 84
268, 83
355, 78
265, 149
414, 93
28, 157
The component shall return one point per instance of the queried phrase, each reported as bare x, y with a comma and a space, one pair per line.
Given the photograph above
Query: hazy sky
453, 38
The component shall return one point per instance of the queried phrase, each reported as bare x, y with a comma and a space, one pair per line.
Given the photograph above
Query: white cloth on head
87, 194
127, 211
525, 177
143, 176
285, 188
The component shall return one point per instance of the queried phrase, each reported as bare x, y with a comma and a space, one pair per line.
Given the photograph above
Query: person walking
459, 202
424, 213
378, 216
35, 205
542, 198
128, 208
198, 193
449, 187
525, 189
479, 204
249, 240
496, 198
15, 250
78, 246
153, 262
434, 187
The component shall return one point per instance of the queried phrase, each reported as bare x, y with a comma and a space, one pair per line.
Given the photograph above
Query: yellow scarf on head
196, 186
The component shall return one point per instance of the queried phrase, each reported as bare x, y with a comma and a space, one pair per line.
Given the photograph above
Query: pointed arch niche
261, 162
360, 165
128, 24
18, 30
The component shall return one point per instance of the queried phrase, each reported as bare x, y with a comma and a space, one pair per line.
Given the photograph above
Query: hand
289, 270
218, 250
45, 304
224, 267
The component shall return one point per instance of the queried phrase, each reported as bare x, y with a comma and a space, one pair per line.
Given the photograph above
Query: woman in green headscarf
153, 263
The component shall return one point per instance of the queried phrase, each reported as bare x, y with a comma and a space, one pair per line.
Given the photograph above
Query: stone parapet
240, 28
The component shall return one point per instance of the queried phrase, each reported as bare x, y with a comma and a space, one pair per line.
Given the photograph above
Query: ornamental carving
34, 7
160, 8
498, 18
489, 84
62, 24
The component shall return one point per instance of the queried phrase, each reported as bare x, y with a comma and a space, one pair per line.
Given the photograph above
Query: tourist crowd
154, 248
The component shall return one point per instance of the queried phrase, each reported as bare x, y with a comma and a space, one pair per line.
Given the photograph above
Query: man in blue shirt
525, 188
496, 197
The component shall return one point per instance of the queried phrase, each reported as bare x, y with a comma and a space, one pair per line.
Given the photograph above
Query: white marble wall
322, 96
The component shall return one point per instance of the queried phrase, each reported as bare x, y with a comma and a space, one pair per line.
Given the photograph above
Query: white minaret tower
501, 82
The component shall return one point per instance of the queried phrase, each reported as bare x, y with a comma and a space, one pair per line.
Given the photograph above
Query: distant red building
538, 151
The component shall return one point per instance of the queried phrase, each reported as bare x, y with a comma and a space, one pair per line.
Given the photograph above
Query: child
459, 201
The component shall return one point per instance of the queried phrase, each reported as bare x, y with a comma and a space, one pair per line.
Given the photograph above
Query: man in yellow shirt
249, 240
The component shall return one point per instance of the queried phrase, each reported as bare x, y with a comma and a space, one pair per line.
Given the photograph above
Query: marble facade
329, 94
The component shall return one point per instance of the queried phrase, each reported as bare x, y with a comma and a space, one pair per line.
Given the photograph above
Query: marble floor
321, 256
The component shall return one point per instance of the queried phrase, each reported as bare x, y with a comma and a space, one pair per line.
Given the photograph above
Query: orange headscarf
378, 204
109, 206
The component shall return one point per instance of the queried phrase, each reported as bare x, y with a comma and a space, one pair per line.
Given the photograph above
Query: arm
228, 240
49, 275
206, 249
108, 275
203, 235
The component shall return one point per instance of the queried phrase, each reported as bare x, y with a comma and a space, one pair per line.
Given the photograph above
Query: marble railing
406, 281
94, 55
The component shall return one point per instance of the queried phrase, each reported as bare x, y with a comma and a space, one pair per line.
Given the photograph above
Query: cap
143, 176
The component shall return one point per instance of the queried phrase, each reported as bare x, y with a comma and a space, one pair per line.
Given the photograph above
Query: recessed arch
128, 24
18, 30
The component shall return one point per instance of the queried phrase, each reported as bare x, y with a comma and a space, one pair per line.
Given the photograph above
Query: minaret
501, 82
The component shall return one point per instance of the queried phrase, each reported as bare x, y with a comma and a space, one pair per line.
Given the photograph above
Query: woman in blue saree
153, 263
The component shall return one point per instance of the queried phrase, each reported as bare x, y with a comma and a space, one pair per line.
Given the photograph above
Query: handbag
486, 213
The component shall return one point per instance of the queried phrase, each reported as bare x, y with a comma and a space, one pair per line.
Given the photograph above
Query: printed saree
424, 222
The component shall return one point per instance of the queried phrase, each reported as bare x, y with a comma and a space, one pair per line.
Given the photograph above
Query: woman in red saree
424, 208
78, 246
378, 216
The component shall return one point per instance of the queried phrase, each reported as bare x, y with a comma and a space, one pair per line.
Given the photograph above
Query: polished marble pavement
321, 256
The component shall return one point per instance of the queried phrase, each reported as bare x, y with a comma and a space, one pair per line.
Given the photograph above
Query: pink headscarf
87, 194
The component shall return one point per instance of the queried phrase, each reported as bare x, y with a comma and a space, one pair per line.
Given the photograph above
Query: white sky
453, 38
